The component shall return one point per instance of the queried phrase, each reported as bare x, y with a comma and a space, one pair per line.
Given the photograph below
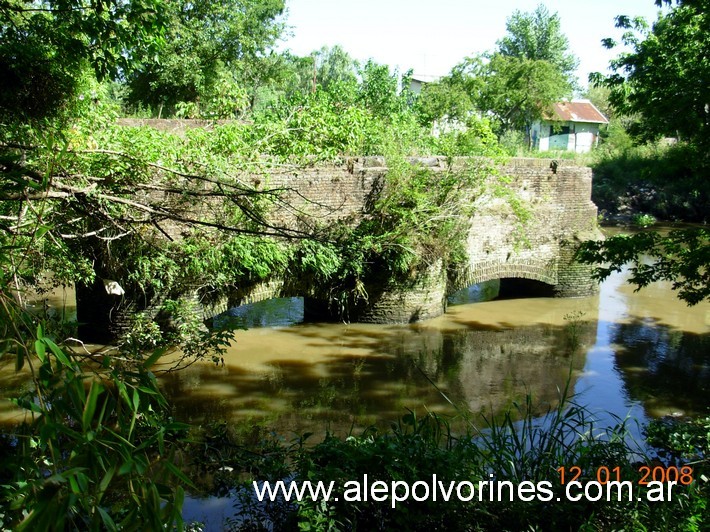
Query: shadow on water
622, 349
313, 377
276, 312
666, 369
642, 353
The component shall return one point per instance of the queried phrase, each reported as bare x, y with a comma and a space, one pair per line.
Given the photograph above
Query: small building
569, 126
417, 82
415, 85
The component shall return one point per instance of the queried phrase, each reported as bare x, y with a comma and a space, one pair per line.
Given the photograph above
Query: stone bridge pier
538, 244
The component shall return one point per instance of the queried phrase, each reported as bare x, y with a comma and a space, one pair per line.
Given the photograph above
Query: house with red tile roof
568, 126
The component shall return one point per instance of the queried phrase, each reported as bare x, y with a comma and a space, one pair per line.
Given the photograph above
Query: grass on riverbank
667, 182
532, 450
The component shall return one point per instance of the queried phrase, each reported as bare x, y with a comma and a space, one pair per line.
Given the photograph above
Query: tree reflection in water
666, 369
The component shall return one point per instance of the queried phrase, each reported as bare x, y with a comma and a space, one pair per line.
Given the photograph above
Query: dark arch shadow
505, 288
516, 288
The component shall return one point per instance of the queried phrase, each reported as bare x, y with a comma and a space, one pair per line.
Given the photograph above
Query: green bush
96, 451
532, 449
643, 220
667, 182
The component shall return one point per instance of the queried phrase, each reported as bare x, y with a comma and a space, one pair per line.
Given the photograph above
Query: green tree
95, 451
278, 77
333, 65
531, 69
379, 90
46, 47
664, 78
98, 455
518, 91
329, 68
513, 91
537, 36
447, 98
207, 46
681, 257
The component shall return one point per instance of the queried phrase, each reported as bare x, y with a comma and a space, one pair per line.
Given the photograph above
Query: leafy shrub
681, 439
513, 142
666, 181
96, 451
417, 448
643, 220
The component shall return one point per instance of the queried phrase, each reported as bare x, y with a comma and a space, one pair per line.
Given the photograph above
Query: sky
431, 37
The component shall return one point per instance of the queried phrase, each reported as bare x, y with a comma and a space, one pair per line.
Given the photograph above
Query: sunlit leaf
90, 404
58, 352
40, 350
108, 523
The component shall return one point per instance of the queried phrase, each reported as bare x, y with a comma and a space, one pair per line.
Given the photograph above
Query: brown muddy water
643, 354
624, 353
640, 354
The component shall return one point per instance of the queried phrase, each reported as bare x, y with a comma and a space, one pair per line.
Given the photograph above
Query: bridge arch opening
504, 288
476, 293
272, 312
518, 288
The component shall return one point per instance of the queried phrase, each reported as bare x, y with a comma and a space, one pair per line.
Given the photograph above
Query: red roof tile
576, 111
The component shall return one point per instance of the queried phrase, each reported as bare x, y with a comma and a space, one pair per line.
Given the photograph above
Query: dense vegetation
99, 447
530, 450
657, 85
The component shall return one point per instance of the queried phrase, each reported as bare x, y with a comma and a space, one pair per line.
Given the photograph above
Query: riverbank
666, 182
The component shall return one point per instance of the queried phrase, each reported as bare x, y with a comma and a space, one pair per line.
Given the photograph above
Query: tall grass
668, 182
520, 446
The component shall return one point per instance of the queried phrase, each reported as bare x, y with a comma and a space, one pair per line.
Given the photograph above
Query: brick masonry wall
499, 246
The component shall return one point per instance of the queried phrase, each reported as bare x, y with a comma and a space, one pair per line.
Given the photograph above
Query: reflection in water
650, 357
476, 293
58, 305
667, 369
277, 312
640, 353
480, 357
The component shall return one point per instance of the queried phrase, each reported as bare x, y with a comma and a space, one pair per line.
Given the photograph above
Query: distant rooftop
576, 111
425, 78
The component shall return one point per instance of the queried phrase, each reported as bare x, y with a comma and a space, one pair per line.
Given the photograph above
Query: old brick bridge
556, 195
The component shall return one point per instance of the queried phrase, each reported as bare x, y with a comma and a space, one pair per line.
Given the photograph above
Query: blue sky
432, 36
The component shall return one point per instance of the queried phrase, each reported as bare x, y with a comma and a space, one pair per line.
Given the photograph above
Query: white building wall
540, 136
582, 137
586, 137
571, 137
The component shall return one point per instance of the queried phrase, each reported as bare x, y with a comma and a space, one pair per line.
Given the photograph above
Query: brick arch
500, 243
274, 288
542, 271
